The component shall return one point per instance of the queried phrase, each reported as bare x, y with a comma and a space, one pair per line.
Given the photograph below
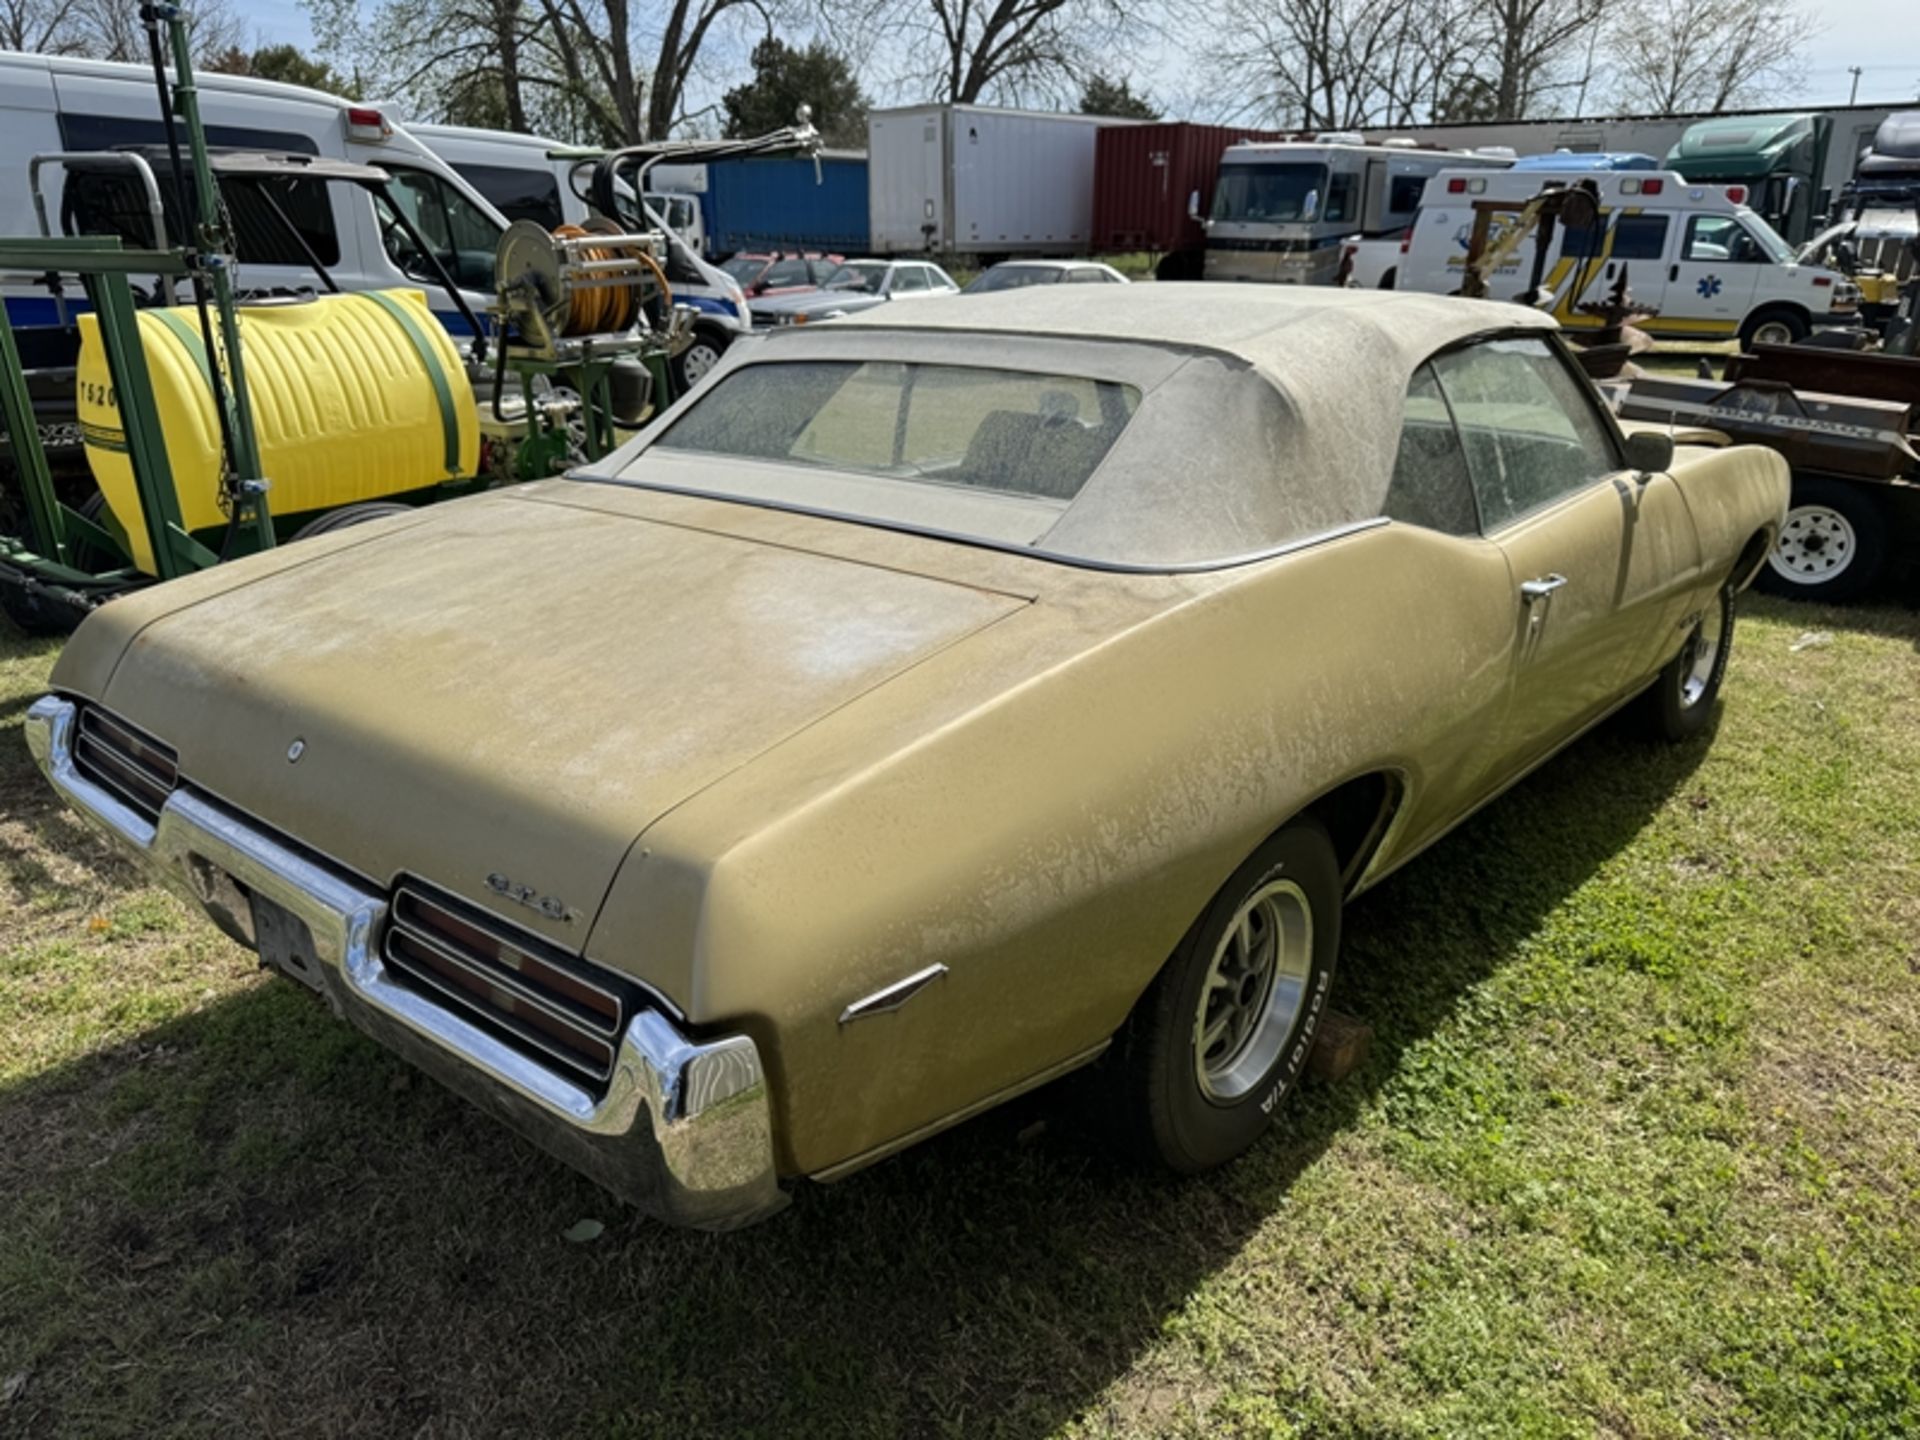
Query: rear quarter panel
1050, 817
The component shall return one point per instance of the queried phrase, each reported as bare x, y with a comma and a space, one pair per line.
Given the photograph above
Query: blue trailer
766, 203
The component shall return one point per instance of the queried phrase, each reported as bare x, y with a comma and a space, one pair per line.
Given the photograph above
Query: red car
779, 274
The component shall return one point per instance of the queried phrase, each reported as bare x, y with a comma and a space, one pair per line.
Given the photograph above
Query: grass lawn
1637, 1153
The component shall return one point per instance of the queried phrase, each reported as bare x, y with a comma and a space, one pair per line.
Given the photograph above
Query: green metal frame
103, 266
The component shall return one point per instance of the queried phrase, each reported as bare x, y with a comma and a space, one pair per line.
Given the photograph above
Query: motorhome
529, 177
56, 105
1697, 254
1330, 211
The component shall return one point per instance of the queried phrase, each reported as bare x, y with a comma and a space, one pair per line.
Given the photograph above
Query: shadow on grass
254, 1220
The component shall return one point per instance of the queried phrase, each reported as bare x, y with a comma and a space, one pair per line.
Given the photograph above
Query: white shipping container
974, 180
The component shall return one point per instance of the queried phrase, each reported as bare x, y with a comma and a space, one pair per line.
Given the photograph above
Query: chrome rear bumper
684, 1131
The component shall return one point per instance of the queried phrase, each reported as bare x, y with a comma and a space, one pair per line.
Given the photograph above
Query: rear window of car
1009, 432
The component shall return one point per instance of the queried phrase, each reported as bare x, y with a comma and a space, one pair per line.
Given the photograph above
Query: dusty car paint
771, 763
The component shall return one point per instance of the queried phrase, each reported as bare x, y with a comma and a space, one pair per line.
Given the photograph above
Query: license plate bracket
286, 944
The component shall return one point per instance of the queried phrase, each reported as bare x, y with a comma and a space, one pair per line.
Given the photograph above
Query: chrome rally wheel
1253, 992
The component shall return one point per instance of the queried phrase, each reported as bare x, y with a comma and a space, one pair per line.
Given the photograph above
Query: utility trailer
1848, 423
979, 181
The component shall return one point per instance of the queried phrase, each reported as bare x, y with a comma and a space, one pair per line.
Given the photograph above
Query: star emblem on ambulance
1709, 286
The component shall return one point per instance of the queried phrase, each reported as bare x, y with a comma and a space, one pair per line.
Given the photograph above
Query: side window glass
459, 233
1403, 194
518, 193
1722, 240
1528, 426
1340, 191
908, 278
1430, 485
785, 272
1639, 237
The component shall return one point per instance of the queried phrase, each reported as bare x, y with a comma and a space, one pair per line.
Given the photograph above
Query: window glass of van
275, 222
111, 132
1639, 237
1528, 423
461, 235
518, 192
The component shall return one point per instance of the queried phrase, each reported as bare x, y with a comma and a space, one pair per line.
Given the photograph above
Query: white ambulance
1713, 268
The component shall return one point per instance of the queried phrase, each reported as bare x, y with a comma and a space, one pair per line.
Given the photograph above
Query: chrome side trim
890, 998
684, 1131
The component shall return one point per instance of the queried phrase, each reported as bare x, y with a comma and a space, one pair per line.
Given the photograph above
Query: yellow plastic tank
355, 397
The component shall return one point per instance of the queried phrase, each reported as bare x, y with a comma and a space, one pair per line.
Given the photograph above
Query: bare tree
604, 70
1018, 51
1680, 55
43, 27
111, 29
1529, 43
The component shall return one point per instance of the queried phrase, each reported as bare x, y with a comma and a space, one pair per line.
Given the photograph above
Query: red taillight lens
366, 123
1406, 240
1456, 186
1652, 187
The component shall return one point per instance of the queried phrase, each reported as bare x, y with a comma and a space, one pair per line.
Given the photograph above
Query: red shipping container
1142, 176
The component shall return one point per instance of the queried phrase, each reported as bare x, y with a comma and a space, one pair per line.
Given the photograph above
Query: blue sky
1856, 33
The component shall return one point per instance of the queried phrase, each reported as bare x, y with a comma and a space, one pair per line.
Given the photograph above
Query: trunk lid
515, 689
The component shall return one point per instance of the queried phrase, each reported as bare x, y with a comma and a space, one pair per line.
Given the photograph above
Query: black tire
692, 364
1170, 1115
1833, 546
1390, 279
1793, 321
32, 613
348, 516
1680, 704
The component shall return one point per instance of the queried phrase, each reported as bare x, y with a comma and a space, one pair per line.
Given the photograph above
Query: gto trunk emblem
551, 906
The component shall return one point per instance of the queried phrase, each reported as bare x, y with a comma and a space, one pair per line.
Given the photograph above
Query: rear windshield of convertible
1005, 431
1102, 451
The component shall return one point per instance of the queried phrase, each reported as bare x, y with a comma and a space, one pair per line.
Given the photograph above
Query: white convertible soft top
1271, 413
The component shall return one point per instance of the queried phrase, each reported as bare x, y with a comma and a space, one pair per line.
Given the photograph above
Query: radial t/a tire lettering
1224, 1033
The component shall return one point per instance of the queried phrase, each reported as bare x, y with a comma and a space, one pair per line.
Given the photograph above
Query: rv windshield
1265, 192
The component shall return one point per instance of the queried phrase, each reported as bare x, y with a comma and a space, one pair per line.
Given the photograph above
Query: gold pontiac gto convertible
929, 704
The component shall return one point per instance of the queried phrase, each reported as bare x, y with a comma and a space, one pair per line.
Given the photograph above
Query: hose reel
580, 281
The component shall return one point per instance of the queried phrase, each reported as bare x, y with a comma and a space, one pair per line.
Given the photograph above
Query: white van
531, 178
1712, 267
546, 181
50, 104
1331, 211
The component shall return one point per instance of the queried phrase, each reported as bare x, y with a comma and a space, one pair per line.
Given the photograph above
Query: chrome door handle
1543, 587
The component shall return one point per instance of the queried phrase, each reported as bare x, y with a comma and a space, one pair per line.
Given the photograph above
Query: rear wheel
1783, 325
1225, 1031
1832, 547
692, 364
350, 515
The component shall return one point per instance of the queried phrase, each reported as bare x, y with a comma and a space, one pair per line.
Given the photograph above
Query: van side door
1713, 280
